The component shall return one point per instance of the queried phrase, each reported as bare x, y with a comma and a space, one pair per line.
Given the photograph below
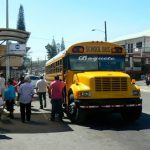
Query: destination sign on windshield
95, 58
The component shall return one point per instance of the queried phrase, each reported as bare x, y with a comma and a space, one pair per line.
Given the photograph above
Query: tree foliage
53, 48
62, 44
21, 20
21, 26
58, 47
49, 51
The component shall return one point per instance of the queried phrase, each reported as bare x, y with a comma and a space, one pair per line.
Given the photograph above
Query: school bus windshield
96, 62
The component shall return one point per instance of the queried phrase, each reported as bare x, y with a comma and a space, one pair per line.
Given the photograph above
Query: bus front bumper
108, 103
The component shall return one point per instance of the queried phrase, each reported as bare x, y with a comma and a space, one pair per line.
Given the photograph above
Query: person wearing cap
56, 94
25, 95
41, 87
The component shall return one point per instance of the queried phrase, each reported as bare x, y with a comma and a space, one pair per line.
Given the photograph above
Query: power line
39, 38
48, 39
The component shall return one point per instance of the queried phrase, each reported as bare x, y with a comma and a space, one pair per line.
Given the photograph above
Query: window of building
139, 45
130, 48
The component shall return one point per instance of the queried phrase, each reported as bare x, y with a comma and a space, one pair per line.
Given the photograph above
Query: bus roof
94, 43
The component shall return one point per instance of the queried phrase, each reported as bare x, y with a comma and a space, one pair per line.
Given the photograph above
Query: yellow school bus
95, 78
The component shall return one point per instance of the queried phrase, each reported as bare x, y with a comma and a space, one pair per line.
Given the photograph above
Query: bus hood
108, 84
104, 78
101, 74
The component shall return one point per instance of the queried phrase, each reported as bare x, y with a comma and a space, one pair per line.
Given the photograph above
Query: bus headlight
84, 93
135, 93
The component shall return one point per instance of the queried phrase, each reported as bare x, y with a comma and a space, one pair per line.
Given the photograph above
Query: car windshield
34, 78
97, 62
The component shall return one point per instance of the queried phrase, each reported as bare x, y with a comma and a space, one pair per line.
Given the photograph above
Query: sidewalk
39, 123
36, 106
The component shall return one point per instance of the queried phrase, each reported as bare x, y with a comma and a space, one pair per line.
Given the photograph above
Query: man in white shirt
41, 87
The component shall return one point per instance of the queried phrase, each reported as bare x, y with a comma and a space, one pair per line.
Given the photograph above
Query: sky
74, 20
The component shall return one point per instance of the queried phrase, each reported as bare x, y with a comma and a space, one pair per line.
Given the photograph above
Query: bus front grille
110, 84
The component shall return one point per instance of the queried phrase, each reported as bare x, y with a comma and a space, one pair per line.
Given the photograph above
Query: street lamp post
105, 31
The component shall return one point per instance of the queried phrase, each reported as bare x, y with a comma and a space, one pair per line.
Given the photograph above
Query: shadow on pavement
39, 124
115, 122
4, 137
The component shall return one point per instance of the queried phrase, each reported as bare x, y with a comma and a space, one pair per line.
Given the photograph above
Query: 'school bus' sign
97, 49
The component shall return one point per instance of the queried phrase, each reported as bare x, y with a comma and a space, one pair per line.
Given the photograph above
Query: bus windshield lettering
96, 62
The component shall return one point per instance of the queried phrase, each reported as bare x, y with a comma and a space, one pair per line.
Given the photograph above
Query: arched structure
14, 35
7, 34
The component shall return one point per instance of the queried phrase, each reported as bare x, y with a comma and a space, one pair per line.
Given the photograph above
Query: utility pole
7, 15
31, 65
7, 44
38, 66
105, 31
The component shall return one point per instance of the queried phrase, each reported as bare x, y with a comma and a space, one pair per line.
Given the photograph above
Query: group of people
25, 93
12, 91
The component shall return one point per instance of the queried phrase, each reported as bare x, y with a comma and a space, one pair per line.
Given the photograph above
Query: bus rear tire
131, 114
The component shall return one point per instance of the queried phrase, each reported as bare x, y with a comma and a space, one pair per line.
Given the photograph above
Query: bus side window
61, 64
65, 64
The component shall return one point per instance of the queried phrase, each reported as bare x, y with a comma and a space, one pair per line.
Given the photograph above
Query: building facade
15, 63
138, 52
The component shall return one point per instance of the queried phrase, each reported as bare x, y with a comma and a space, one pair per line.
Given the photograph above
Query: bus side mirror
133, 81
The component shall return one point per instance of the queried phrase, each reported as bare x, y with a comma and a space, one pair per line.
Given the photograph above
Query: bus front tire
75, 114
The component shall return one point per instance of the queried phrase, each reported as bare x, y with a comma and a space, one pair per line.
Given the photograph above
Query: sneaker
41, 107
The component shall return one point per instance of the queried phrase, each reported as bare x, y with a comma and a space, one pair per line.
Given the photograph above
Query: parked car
147, 79
34, 79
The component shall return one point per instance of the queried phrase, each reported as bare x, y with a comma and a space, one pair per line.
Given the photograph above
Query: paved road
143, 86
100, 132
